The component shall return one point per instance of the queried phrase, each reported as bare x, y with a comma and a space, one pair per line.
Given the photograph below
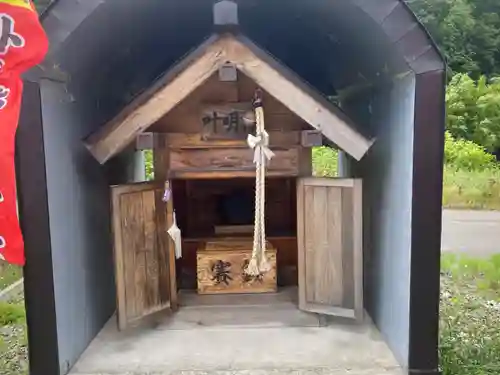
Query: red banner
23, 44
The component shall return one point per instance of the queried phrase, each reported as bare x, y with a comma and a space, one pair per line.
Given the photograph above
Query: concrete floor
255, 335
265, 335
476, 233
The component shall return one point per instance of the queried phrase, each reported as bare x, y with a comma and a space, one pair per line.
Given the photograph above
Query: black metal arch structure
332, 44
372, 54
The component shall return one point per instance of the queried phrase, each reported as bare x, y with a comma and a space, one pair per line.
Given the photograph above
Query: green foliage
466, 155
324, 161
471, 189
467, 31
13, 339
9, 274
470, 311
486, 271
473, 110
148, 160
11, 313
471, 176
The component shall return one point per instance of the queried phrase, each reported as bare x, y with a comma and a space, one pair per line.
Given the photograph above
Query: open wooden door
329, 235
143, 251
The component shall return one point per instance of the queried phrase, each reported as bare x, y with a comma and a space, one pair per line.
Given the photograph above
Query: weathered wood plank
305, 162
225, 173
358, 248
165, 275
185, 117
166, 255
234, 229
152, 292
298, 97
301, 245
221, 264
333, 182
227, 121
347, 248
286, 254
161, 156
311, 138
189, 122
236, 158
130, 209
329, 215
118, 255
332, 280
187, 141
139, 267
310, 243
160, 99
169, 210
325, 291
145, 141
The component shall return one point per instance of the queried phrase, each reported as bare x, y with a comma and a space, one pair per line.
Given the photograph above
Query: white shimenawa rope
262, 154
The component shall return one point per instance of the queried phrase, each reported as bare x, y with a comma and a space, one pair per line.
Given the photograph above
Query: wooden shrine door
329, 235
143, 251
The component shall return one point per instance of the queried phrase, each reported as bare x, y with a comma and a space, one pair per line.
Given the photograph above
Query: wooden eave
195, 69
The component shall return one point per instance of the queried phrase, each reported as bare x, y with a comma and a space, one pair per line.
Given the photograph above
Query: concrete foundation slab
249, 338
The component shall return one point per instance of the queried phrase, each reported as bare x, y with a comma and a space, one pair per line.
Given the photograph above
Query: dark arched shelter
373, 56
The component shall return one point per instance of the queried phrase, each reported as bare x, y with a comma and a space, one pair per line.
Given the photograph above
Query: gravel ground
13, 338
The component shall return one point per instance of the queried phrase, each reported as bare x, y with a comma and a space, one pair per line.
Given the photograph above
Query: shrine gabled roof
112, 51
218, 51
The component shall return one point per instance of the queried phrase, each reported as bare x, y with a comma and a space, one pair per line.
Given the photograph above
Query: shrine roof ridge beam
197, 67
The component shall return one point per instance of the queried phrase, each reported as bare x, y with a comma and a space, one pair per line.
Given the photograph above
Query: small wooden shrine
231, 131
137, 87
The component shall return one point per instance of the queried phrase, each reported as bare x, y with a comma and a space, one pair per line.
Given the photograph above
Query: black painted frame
428, 148
34, 215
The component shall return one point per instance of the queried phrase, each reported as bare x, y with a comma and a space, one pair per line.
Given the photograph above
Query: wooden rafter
197, 67
176, 85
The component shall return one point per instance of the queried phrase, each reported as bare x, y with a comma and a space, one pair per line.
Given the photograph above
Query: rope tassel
262, 155
260, 144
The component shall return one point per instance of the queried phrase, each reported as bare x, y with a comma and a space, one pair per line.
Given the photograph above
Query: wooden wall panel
285, 162
189, 141
347, 248
143, 278
185, 118
305, 162
324, 246
329, 244
195, 204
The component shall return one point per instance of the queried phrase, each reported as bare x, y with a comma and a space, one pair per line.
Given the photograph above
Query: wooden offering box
221, 264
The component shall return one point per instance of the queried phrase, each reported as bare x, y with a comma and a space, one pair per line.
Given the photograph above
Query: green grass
12, 313
471, 189
9, 274
470, 314
13, 338
462, 189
